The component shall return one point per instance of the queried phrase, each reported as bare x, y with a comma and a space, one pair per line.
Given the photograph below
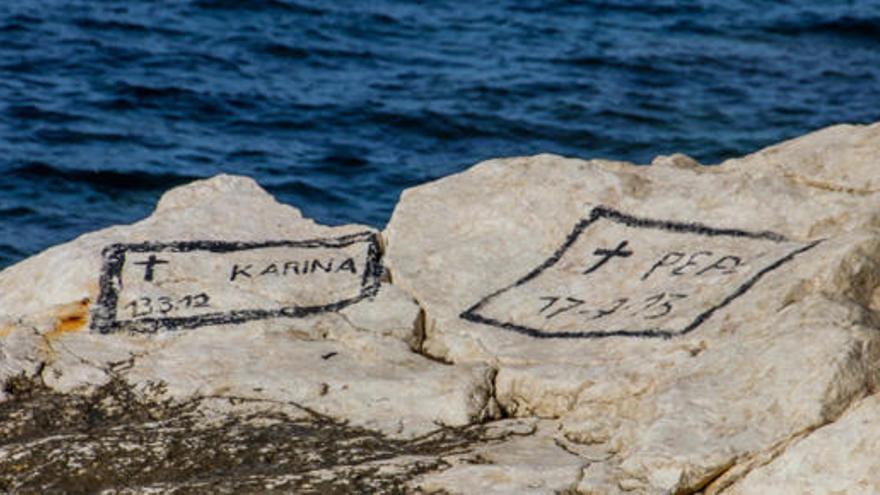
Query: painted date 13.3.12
162, 305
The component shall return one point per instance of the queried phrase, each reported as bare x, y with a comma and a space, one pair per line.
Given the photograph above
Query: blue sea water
336, 106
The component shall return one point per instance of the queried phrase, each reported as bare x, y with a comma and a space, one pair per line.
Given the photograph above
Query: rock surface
531, 325
685, 320
225, 293
837, 458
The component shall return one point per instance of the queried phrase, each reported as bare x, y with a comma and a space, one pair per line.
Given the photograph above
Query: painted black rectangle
105, 317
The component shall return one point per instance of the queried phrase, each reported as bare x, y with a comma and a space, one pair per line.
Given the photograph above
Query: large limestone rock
225, 293
684, 322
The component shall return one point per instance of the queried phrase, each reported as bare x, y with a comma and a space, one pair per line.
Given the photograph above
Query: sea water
336, 106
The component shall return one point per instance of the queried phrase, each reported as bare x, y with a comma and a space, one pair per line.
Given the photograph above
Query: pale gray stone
224, 292
838, 458
677, 319
528, 461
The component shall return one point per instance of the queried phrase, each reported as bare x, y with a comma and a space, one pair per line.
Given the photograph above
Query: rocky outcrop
838, 458
685, 321
537, 324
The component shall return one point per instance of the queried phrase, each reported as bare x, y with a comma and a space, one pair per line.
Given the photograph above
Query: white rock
680, 319
838, 458
813, 160
531, 462
223, 292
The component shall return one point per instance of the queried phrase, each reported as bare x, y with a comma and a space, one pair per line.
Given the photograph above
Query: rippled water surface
335, 106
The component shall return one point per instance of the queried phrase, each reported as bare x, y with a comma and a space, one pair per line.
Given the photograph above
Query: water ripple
337, 106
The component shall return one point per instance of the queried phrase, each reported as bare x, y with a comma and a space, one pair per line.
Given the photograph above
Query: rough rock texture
687, 321
533, 459
223, 292
837, 458
531, 325
118, 440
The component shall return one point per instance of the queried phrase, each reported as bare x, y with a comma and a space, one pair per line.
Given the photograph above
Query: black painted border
600, 212
104, 317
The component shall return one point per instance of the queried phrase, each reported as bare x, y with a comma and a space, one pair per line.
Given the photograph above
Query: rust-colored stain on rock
71, 318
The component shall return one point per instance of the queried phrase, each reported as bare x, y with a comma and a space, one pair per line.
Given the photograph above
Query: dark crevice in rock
492, 409
717, 474
829, 186
385, 276
420, 329
504, 412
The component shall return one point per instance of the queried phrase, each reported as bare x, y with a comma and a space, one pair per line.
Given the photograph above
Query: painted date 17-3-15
146, 306
649, 308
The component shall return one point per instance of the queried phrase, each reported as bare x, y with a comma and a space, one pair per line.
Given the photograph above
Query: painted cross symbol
150, 265
607, 254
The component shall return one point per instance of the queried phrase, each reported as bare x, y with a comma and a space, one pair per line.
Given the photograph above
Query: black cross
150, 265
607, 254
